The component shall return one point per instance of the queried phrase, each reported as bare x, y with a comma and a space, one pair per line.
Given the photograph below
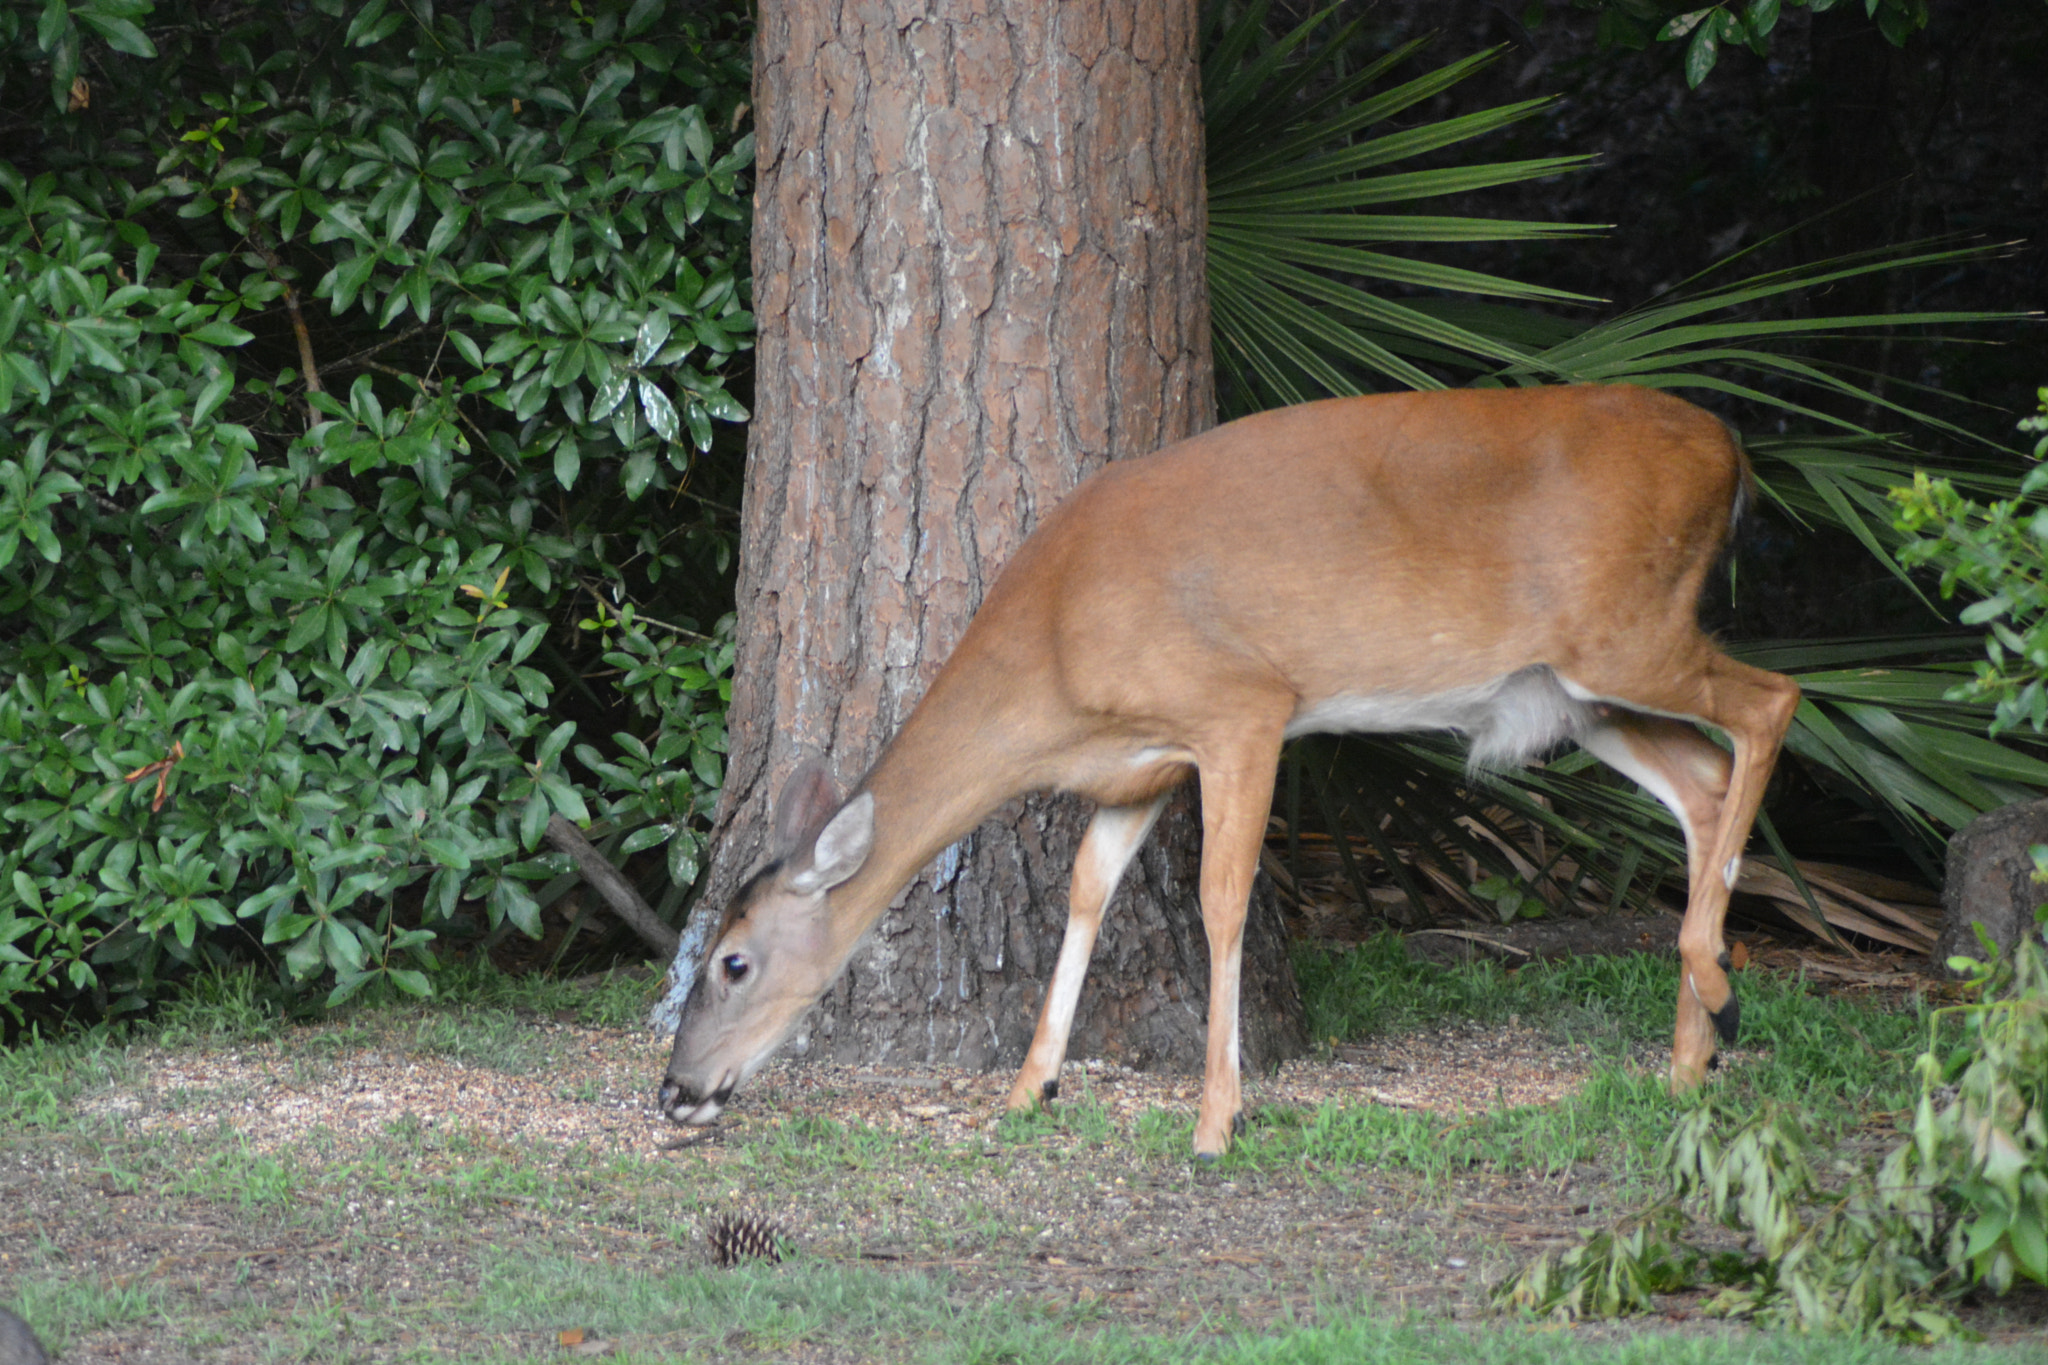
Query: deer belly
1510, 719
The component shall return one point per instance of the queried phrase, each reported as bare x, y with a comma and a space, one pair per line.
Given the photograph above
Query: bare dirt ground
382, 1173
1068, 1217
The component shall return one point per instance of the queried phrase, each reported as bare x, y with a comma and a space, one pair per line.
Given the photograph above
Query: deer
1521, 565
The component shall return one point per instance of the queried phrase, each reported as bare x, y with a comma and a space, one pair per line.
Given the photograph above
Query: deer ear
840, 848
808, 800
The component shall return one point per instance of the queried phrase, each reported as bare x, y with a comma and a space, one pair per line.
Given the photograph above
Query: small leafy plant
1960, 1202
2000, 553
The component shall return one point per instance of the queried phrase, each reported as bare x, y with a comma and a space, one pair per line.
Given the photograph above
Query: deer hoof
1050, 1091
1728, 1018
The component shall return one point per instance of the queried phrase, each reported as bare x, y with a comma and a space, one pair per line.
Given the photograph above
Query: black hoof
1725, 962
1050, 1090
1207, 1158
1728, 1019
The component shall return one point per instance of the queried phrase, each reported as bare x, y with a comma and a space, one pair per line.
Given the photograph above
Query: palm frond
1713, 340
1298, 146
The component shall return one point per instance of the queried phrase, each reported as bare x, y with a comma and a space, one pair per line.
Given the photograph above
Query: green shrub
342, 350
1960, 1202
1980, 1134
2000, 553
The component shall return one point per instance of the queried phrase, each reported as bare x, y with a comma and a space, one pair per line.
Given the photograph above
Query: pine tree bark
978, 255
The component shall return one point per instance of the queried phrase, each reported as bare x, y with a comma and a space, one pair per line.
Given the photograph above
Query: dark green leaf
1702, 52
659, 410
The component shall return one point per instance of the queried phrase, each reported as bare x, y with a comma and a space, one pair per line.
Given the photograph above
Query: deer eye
735, 968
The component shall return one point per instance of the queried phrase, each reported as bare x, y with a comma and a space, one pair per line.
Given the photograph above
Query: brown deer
1521, 565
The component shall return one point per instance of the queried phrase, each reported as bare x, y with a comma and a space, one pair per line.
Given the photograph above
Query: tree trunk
978, 253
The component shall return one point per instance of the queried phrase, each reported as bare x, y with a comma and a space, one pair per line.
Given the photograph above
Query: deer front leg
1236, 798
1106, 850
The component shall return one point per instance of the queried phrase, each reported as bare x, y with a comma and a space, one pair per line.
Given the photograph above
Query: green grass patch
62, 1308
41, 1078
618, 1000
1376, 989
492, 1037
763, 1310
1842, 1061
1618, 1117
1082, 1118
1387, 1342
241, 1005
763, 1306
1813, 1047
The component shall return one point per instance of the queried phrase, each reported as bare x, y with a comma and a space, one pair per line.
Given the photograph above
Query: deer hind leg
1237, 796
1715, 796
1689, 774
1106, 850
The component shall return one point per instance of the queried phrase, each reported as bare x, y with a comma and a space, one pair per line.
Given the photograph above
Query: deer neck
946, 769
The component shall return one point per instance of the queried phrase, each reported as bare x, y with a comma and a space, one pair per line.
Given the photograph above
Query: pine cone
744, 1237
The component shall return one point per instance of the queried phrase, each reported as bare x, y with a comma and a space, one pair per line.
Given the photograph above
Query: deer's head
775, 951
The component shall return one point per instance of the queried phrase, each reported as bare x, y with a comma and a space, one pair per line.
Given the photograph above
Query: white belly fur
1510, 719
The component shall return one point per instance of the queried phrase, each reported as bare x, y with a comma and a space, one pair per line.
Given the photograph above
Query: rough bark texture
1990, 881
978, 253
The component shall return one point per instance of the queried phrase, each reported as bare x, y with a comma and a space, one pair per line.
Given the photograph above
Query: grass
1406, 1343
1081, 1118
1619, 1117
1843, 1062
695, 1309
1613, 1003
917, 1318
522, 1303
527, 1241
64, 1308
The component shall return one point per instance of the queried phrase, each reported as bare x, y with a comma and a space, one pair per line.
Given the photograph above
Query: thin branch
307, 366
618, 893
432, 386
640, 618
352, 361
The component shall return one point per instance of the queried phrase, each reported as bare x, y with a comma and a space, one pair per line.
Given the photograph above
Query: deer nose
683, 1102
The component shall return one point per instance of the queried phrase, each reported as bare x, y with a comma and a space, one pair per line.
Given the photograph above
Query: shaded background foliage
1838, 138
368, 380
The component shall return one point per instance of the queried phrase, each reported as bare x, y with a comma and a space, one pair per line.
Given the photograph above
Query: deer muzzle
688, 1103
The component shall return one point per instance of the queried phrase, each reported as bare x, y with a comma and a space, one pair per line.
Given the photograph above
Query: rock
18, 1344
1990, 881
